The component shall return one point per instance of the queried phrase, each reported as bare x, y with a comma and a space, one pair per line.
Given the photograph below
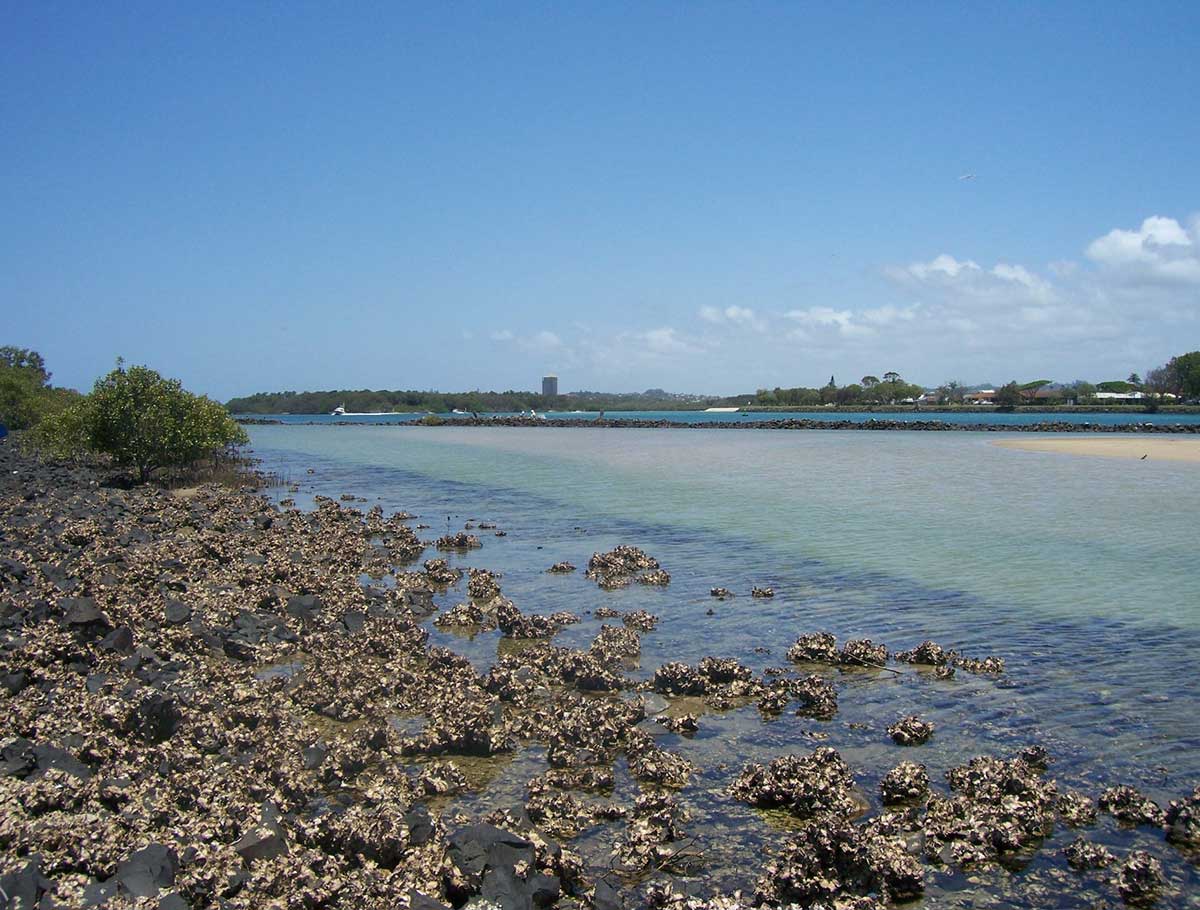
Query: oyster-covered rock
905, 782
1182, 822
810, 786
621, 565
814, 647
1084, 854
1140, 880
910, 731
1131, 807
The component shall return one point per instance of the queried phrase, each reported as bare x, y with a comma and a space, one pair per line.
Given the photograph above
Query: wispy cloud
733, 315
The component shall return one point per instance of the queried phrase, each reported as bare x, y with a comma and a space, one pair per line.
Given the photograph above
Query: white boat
457, 411
721, 410
339, 411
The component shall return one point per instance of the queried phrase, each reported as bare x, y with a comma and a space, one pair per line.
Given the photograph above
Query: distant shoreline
933, 426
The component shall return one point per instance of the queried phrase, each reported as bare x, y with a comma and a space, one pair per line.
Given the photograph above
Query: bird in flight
967, 177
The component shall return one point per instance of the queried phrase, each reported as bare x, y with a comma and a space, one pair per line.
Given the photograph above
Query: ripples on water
1077, 571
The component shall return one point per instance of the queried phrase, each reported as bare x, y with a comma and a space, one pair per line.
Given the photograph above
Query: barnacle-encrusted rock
814, 647
816, 696
515, 624
986, 666
615, 645
439, 572
724, 670
929, 653
622, 564
676, 678
660, 577
762, 592
863, 652
1141, 881
561, 568
1131, 807
648, 762
1077, 809
1084, 854
910, 731
832, 860
440, 778
775, 697
469, 616
722, 593
907, 781
810, 786
685, 724
639, 620
1182, 823
458, 541
1002, 805
483, 585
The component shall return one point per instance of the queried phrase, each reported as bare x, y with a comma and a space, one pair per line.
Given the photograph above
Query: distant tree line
891, 389
367, 400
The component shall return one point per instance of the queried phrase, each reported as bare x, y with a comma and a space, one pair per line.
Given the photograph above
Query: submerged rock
619, 566
910, 731
1140, 880
1077, 809
826, 863
1083, 854
1182, 822
905, 782
1130, 806
810, 786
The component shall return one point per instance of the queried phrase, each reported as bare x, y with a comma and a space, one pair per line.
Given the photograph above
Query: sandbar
1129, 447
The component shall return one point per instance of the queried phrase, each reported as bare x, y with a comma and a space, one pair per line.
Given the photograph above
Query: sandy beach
1128, 447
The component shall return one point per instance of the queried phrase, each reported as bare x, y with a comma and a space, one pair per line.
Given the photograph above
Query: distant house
1120, 396
979, 396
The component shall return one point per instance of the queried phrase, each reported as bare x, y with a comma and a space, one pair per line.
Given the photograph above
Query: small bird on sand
1143, 458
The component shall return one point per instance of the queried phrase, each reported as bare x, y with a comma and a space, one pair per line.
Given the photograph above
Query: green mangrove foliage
26, 395
142, 421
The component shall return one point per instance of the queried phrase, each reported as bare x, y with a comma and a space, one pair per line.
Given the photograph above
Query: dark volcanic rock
148, 871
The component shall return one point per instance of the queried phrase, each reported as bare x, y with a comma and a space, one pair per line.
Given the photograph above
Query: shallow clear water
990, 418
1079, 571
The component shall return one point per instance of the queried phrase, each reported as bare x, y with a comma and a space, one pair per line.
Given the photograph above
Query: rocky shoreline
932, 426
210, 700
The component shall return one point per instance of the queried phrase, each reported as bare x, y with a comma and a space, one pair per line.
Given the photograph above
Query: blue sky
702, 197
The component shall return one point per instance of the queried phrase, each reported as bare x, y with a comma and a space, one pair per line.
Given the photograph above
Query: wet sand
1135, 448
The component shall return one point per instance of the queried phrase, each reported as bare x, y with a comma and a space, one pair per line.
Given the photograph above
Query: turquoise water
1079, 571
990, 418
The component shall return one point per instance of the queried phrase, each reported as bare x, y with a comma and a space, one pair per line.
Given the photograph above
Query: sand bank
1130, 447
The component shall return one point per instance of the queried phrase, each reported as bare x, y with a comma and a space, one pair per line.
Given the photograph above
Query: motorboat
339, 411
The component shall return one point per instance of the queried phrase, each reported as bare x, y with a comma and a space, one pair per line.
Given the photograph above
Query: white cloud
665, 340
738, 315
890, 313
1160, 251
820, 315
844, 321
544, 341
503, 335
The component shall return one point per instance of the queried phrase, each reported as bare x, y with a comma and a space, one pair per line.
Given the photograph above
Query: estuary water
1080, 572
989, 418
